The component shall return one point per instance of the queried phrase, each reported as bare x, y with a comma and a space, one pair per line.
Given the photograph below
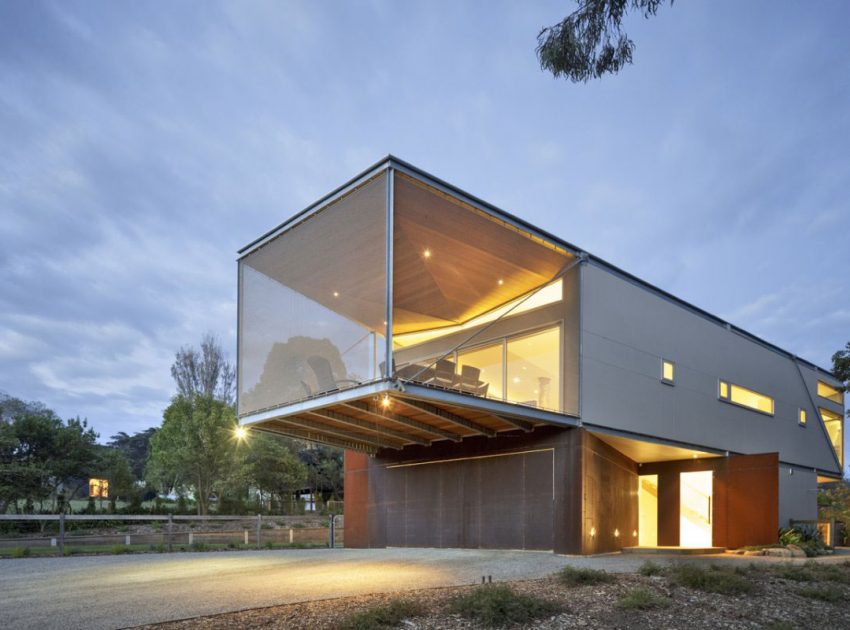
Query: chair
444, 374
471, 382
325, 375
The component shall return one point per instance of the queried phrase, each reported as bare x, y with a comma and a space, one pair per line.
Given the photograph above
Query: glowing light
501, 282
336, 293
385, 401
616, 533
427, 253
592, 532
99, 488
240, 433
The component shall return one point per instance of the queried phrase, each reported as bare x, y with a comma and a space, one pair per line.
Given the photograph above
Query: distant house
495, 386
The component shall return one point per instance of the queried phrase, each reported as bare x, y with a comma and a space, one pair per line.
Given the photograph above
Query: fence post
127, 540
170, 521
191, 537
62, 533
331, 533
246, 537
291, 538
259, 525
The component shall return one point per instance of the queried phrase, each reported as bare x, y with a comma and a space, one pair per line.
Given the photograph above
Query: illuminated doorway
648, 510
695, 497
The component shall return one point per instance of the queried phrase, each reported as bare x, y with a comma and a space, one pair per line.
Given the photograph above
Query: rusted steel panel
356, 478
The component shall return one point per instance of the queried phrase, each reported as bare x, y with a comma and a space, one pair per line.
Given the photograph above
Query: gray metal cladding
627, 329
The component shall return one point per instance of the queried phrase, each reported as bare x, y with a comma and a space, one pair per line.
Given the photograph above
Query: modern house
496, 386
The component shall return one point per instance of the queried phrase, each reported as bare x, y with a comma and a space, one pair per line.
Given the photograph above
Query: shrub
269, 544
118, 549
495, 606
713, 580
387, 615
650, 568
642, 599
20, 552
200, 546
827, 593
576, 576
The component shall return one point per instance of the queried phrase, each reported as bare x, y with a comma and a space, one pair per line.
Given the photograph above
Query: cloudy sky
141, 144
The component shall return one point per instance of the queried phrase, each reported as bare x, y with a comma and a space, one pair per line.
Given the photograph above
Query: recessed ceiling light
501, 282
427, 253
336, 293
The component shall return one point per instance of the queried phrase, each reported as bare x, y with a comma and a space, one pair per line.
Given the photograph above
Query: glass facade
479, 306
312, 304
830, 393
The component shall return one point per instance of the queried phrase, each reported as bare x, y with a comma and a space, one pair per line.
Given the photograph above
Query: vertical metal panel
389, 372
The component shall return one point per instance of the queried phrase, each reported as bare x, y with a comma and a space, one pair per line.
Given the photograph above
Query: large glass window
830, 393
834, 424
488, 361
312, 304
746, 397
534, 369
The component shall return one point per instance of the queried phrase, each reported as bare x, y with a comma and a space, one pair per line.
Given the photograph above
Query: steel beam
372, 410
448, 416
311, 436
368, 426
519, 424
313, 425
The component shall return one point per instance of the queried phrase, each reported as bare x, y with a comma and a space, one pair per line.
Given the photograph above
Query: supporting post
62, 533
389, 372
191, 537
127, 540
170, 528
246, 537
331, 532
259, 526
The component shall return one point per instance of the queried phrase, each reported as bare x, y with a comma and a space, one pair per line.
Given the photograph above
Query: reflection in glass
488, 361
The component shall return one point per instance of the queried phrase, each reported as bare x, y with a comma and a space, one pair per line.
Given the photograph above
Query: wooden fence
247, 530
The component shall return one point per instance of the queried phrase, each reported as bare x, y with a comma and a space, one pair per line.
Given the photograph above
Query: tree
195, 448
272, 469
40, 454
136, 448
841, 366
589, 42
113, 466
205, 372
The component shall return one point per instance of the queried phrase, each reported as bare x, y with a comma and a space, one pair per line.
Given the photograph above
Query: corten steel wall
356, 497
610, 504
745, 498
517, 490
543, 490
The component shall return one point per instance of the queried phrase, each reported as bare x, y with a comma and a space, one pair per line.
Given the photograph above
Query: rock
757, 552
777, 552
796, 552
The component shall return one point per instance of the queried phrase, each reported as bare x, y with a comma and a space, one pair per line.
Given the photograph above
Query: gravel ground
775, 603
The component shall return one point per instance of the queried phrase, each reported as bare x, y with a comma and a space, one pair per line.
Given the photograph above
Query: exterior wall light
616, 533
592, 532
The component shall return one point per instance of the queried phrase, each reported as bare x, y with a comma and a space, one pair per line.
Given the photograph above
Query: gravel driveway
120, 591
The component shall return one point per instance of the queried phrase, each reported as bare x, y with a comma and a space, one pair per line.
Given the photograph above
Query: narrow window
834, 425
830, 393
746, 397
668, 371
801, 417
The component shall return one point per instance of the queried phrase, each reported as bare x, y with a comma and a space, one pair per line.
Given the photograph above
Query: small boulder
754, 552
796, 551
777, 552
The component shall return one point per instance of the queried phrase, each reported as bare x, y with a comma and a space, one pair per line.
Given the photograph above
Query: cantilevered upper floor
399, 310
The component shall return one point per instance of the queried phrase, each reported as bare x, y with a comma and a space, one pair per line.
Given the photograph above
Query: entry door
695, 507
648, 510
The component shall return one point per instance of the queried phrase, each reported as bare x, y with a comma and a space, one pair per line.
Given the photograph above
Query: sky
142, 144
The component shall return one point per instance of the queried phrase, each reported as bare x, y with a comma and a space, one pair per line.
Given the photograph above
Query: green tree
589, 42
841, 366
194, 449
41, 455
136, 449
113, 466
272, 469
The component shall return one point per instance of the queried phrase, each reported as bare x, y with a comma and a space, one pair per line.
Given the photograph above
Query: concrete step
674, 551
